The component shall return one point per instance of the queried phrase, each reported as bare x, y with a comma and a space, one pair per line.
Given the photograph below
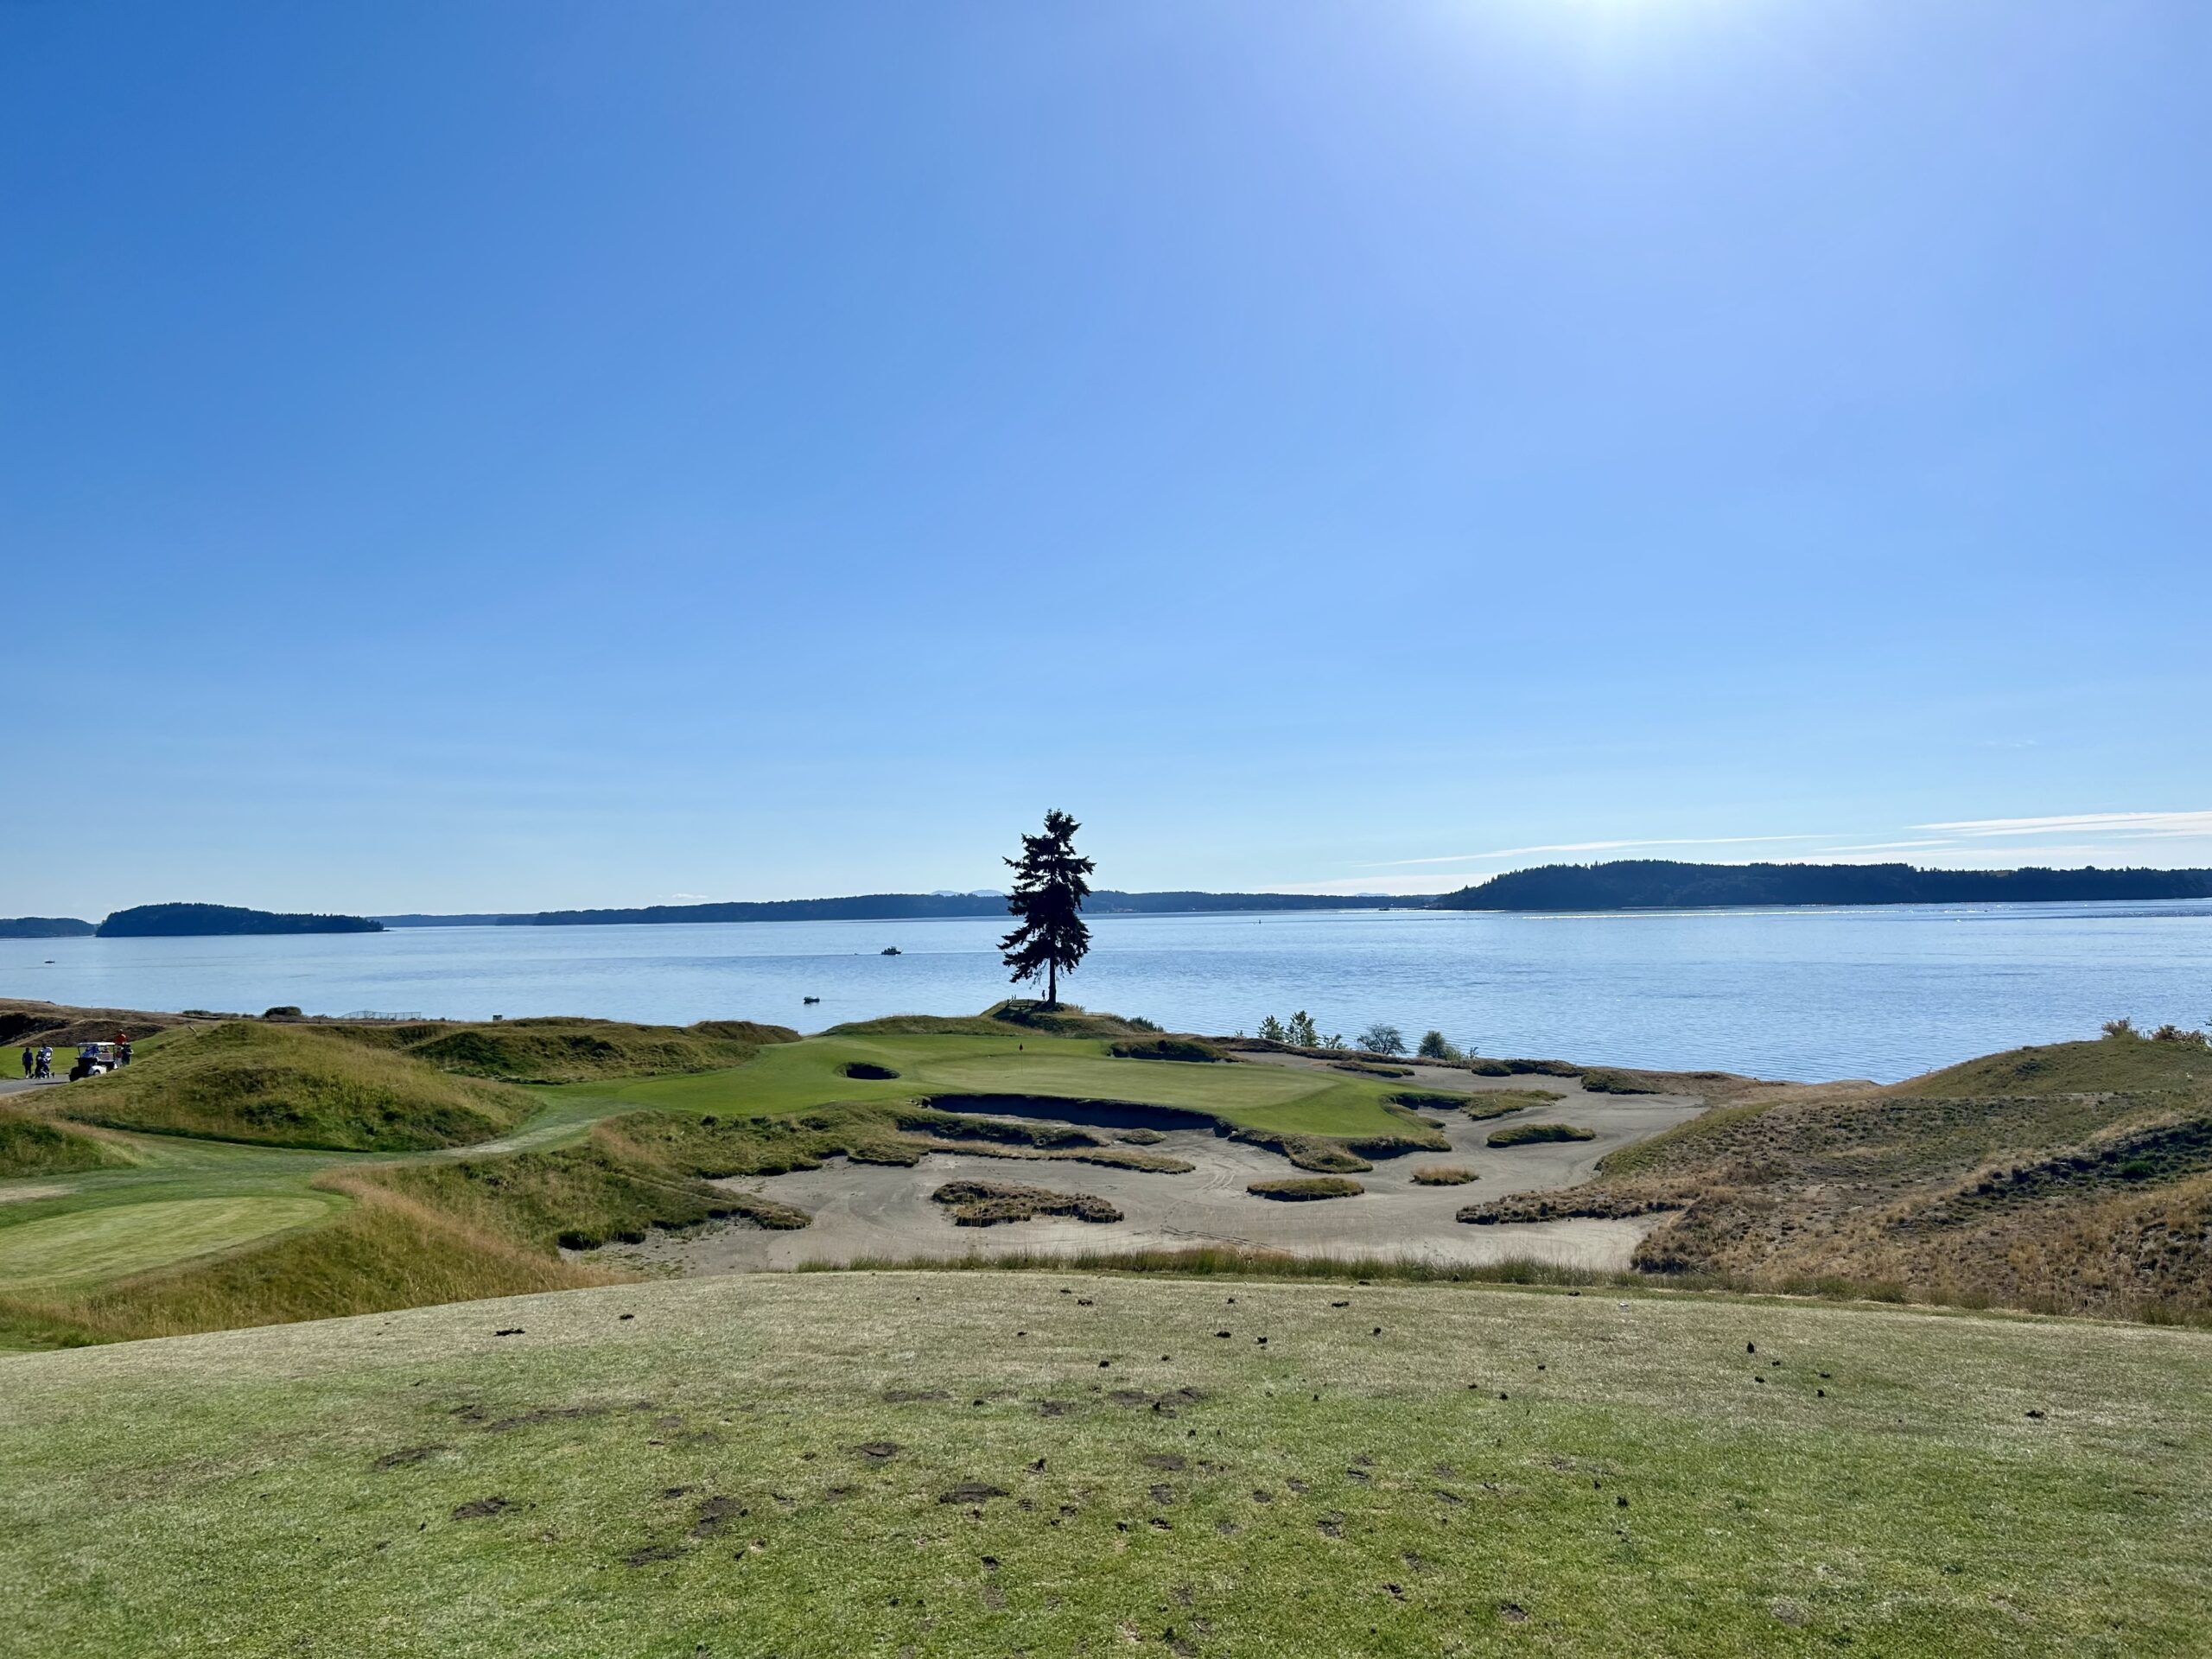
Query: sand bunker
886, 1210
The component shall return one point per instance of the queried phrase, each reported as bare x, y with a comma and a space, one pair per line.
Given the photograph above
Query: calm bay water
1809, 994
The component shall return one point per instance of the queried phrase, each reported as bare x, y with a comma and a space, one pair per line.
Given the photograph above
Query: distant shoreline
913, 906
1625, 887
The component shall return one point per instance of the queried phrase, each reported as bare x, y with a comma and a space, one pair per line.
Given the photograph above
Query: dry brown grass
2092, 1194
1443, 1175
1307, 1189
988, 1203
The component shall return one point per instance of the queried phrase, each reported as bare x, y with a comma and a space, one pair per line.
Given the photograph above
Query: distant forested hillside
43, 927
479, 919
1663, 884
902, 906
178, 921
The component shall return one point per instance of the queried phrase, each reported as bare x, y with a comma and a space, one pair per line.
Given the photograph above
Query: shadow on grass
1201, 1261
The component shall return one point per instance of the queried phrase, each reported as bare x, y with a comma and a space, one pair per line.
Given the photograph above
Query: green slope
30, 1145
854, 1463
993, 1059
293, 1086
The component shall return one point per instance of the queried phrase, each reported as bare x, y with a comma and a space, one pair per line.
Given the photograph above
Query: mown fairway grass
1493, 1470
86, 1247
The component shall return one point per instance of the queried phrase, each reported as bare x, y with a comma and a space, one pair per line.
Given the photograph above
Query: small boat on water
810, 1000
893, 951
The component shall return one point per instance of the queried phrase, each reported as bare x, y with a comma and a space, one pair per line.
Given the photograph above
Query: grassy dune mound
294, 1086
2074, 1178
989, 1203
1165, 1048
920, 1025
1605, 1080
1443, 1175
1530, 1134
2115, 1064
25, 1020
568, 1051
608, 1189
36, 1146
1306, 1189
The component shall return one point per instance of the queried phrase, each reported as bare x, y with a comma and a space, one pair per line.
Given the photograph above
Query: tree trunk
1051, 984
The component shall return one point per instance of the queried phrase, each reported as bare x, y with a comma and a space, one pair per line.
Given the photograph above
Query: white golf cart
93, 1059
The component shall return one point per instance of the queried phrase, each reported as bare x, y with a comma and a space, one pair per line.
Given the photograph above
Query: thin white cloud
1409, 886
1999, 856
1879, 847
2124, 824
1590, 846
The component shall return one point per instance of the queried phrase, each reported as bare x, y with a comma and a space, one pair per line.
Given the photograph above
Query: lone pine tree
1048, 893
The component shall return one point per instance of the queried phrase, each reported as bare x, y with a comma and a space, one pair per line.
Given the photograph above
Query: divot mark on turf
541, 1415
907, 1396
971, 1491
1164, 1405
714, 1516
879, 1451
406, 1456
651, 1553
477, 1508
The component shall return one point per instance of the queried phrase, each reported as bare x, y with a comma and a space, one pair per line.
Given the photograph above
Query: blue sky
502, 456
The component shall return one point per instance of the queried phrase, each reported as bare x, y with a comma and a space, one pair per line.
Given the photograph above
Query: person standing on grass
29, 1059
45, 1060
